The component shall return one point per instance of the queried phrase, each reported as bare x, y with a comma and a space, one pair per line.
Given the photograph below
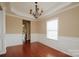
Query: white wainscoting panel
17, 39
13, 39
64, 44
68, 45
35, 37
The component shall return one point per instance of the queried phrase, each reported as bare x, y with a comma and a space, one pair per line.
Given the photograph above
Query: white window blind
52, 29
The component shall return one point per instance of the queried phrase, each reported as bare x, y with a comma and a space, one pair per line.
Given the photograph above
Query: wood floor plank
35, 49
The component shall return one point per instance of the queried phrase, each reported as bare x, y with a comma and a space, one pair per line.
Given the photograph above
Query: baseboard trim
3, 52
2, 55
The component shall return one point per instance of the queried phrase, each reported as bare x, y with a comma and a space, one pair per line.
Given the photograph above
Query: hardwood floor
35, 49
42, 50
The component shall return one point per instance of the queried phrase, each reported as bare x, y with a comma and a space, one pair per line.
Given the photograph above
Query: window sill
52, 39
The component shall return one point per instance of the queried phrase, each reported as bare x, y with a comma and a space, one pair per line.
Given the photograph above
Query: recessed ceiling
23, 8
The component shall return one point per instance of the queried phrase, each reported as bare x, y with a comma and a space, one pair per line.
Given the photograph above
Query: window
52, 29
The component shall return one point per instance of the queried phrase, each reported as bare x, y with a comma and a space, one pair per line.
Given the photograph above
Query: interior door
26, 30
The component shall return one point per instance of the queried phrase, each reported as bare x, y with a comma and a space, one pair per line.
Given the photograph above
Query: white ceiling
22, 8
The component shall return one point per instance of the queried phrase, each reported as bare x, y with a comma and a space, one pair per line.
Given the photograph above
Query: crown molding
20, 17
52, 13
72, 5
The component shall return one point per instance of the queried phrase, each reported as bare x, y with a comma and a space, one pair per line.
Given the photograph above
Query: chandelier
36, 13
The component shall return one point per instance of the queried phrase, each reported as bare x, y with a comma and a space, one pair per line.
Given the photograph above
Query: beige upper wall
13, 25
68, 23
35, 27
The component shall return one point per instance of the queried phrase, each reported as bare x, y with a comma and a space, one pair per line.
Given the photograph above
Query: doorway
26, 31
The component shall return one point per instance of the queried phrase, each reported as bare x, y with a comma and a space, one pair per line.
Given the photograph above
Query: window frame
57, 28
